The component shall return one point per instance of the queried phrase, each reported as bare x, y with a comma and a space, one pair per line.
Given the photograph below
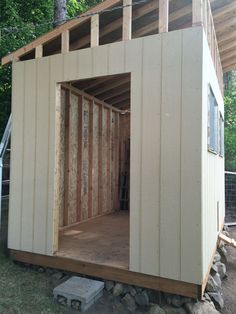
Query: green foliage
19, 25
230, 129
16, 14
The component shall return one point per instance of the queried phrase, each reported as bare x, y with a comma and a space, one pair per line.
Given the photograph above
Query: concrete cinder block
80, 291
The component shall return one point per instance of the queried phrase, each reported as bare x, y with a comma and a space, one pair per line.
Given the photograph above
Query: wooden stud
100, 143
163, 16
39, 51
90, 167
65, 41
109, 116
79, 157
127, 20
197, 17
94, 30
67, 146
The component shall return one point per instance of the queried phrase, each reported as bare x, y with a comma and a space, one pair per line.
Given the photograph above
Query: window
212, 123
221, 136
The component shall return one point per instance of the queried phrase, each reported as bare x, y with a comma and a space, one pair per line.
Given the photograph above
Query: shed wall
166, 95
213, 197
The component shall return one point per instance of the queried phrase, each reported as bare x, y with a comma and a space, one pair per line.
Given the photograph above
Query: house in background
117, 161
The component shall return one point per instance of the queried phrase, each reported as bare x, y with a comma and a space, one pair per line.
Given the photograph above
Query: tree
59, 11
19, 25
230, 128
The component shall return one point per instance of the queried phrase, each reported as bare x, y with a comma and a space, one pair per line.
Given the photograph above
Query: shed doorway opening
94, 170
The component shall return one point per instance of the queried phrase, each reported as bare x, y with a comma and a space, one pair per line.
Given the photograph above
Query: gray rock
221, 268
156, 297
57, 275
217, 257
214, 269
217, 298
174, 310
118, 289
168, 298
156, 309
217, 279
142, 299
177, 301
109, 285
223, 253
41, 270
200, 308
129, 302
212, 285
206, 297
132, 291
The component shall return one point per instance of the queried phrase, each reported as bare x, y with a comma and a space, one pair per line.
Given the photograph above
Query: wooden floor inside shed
103, 240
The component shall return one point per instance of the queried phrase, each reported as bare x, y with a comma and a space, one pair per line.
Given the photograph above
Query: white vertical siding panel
100, 60
133, 63
191, 246
116, 58
17, 155
56, 75
41, 157
150, 172
85, 63
29, 157
212, 167
70, 61
170, 155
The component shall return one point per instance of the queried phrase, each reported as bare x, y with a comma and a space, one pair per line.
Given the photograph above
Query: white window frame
221, 136
213, 123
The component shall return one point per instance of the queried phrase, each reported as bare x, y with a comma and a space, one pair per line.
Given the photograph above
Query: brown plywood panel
95, 159
62, 156
85, 159
73, 148
104, 161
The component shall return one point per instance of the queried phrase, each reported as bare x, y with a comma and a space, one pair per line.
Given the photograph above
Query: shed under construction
117, 163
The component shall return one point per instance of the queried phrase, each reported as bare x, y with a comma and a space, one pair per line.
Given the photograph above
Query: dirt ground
229, 284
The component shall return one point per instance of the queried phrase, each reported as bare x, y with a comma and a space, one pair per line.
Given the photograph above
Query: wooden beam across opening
163, 16
127, 20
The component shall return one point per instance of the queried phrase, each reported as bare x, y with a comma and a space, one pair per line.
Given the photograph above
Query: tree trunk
59, 12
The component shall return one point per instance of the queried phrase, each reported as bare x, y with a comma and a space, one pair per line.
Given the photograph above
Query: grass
26, 291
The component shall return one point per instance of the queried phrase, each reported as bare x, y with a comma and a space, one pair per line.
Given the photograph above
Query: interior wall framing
88, 158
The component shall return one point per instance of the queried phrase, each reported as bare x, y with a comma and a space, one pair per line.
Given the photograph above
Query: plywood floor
103, 240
